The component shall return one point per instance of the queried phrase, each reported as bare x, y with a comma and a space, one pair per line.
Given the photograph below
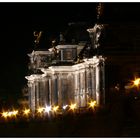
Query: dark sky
19, 20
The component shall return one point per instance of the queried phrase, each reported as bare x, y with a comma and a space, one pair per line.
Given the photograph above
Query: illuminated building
60, 77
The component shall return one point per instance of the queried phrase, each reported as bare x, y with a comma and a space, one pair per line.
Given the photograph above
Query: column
82, 94
98, 92
47, 102
50, 90
103, 82
100, 84
32, 106
55, 90
41, 93
71, 87
78, 91
93, 82
37, 94
88, 79
29, 94
45, 91
76, 95
85, 87
60, 103
44, 97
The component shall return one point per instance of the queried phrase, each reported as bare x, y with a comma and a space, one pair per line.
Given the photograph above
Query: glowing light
26, 112
5, 114
92, 104
47, 109
64, 107
136, 82
14, 113
73, 106
40, 110
10, 113
55, 108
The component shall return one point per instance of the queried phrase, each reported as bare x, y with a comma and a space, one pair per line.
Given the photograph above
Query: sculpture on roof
96, 31
37, 36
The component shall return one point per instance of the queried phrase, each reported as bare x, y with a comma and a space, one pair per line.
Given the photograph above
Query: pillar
103, 82
82, 89
100, 84
76, 88
93, 78
37, 93
50, 90
32, 97
29, 93
54, 90
70, 87
98, 91
60, 102
78, 91
47, 99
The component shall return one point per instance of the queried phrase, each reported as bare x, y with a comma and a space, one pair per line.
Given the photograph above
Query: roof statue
37, 36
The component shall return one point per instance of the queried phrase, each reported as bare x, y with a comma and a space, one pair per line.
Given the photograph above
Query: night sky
19, 20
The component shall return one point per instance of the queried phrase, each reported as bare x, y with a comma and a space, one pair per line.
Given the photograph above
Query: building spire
100, 8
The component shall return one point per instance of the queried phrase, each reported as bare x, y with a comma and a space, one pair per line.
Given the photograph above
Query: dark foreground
120, 118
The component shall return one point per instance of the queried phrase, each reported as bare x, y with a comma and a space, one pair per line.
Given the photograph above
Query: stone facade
63, 85
62, 75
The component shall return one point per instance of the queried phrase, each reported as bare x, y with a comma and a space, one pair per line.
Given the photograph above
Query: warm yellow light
73, 106
15, 112
136, 81
5, 114
26, 112
92, 104
40, 110
55, 108
9, 114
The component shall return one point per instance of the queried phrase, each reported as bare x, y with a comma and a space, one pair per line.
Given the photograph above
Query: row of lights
47, 109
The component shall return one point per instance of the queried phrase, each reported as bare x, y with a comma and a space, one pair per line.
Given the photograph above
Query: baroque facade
60, 78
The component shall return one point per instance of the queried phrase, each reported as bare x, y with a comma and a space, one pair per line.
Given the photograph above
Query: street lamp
73, 107
26, 112
136, 82
92, 104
